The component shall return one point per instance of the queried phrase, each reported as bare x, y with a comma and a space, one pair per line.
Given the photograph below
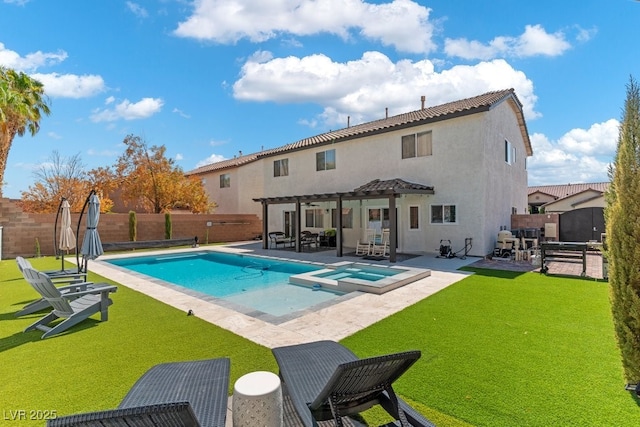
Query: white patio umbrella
91, 244
67, 238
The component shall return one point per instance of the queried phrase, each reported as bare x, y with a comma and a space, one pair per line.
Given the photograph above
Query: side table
257, 400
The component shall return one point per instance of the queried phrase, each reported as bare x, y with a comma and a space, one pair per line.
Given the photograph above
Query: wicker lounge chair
325, 380
74, 307
171, 394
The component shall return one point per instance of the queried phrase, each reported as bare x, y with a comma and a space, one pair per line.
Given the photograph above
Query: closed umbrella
91, 244
67, 238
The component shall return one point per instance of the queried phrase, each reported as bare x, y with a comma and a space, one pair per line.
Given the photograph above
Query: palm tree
22, 104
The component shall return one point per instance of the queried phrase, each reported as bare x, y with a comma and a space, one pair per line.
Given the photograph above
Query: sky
210, 79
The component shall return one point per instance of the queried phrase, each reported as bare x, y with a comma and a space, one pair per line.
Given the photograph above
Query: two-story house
453, 172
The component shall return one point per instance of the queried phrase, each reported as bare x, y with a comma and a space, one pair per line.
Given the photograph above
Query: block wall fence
20, 229
537, 221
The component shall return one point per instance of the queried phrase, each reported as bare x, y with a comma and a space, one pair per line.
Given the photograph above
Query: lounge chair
170, 394
325, 380
75, 285
74, 307
364, 247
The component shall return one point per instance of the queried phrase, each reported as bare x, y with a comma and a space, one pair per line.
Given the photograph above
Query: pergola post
339, 227
265, 224
297, 225
393, 227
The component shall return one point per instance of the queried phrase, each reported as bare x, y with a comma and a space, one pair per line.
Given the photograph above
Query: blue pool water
368, 274
254, 282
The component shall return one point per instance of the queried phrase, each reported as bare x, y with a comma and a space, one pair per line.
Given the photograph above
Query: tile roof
427, 115
224, 164
446, 111
564, 190
396, 185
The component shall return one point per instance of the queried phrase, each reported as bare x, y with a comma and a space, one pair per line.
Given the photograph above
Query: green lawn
498, 349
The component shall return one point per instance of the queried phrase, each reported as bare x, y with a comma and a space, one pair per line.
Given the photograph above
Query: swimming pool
258, 283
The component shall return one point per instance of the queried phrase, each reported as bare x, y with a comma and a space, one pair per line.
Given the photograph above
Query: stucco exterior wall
467, 169
246, 184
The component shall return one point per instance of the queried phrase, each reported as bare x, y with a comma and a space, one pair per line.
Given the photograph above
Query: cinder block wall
537, 221
20, 229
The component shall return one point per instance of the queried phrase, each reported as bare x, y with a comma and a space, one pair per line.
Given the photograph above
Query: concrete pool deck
332, 322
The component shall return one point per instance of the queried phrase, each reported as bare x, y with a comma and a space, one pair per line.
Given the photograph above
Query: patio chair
279, 238
61, 276
325, 380
381, 249
364, 248
75, 285
308, 239
74, 307
176, 394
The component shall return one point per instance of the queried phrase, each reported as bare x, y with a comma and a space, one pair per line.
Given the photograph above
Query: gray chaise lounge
325, 380
171, 394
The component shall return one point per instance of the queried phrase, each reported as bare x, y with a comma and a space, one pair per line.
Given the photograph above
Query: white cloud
534, 41
53, 135
580, 155
363, 88
137, 10
30, 62
181, 113
179, 157
403, 24
127, 110
70, 85
214, 158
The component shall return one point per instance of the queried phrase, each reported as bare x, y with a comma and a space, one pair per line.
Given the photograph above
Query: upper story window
443, 214
417, 145
509, 153
281, 167
326, 160
225, 180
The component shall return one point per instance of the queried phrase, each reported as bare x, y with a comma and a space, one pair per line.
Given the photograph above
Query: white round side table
257, 400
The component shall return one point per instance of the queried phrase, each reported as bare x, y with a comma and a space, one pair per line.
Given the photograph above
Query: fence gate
582, 225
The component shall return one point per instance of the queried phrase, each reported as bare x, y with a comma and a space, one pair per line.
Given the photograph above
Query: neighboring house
453, 172
566, 197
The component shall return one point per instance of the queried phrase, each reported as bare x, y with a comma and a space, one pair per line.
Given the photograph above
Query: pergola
376, 189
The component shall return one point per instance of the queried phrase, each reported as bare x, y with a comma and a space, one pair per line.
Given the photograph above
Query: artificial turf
498, 349
511, 349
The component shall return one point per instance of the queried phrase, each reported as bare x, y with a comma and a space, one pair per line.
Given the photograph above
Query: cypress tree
622, 215
133, 226
167, 226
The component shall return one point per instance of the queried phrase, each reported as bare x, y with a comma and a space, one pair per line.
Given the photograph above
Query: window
443, 214
225, 180
417, 145
281, 167
347, 218
414, 223
509, 153
326, 160
314, 218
